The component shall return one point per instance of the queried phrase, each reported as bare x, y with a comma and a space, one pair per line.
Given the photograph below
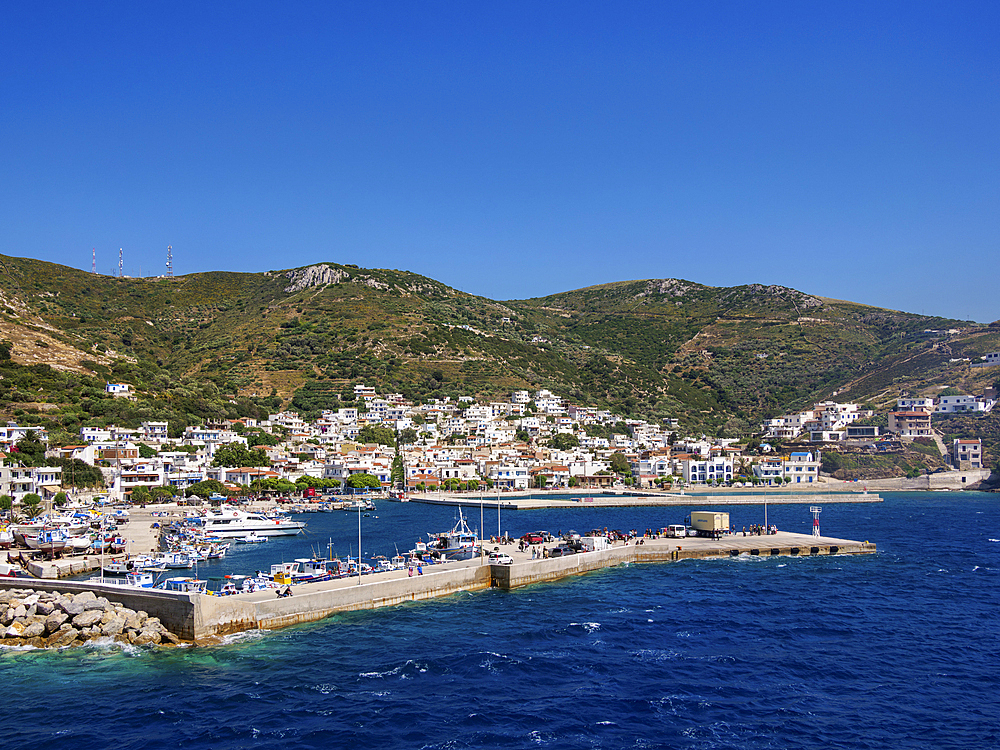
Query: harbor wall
198, 617
540, 571
222, 615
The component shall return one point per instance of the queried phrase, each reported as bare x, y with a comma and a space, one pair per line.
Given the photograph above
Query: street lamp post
359, 544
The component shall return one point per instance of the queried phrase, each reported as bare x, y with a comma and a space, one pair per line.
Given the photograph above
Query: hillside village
533, 440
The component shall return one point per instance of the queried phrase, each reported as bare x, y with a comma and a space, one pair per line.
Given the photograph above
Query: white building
952, 404
915, 404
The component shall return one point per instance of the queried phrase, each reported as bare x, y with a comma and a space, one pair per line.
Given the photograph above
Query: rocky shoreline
49, 619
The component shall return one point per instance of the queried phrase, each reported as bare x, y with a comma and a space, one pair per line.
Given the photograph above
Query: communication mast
93, 263
815, 510
120, 251
170, 261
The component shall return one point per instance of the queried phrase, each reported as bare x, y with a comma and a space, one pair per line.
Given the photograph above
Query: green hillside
217, 345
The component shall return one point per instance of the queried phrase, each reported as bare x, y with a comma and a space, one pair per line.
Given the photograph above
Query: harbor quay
204, 618
640, 498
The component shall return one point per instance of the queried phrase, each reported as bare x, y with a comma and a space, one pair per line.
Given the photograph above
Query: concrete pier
645, 498
202, 618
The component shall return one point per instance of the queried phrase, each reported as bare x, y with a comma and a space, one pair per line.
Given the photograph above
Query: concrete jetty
203, 618
643, 498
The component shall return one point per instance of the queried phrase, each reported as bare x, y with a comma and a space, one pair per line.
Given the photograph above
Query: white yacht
234, 523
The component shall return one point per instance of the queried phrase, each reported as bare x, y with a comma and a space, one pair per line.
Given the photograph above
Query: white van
676, 531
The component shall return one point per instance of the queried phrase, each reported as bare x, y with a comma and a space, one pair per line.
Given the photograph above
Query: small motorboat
251, 538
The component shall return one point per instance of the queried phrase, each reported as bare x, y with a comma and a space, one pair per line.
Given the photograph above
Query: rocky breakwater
49, 619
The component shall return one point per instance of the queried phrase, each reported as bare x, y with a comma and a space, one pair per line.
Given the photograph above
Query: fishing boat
184, 585
305, 570
78, 544
174, 560
8, 570
117, 567
136, 579
48, 541
6, 538
360, 504
457, 544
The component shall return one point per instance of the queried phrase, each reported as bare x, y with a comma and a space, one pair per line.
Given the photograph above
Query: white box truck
594, 543
709, 523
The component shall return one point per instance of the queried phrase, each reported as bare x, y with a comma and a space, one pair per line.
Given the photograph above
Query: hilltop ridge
213, 344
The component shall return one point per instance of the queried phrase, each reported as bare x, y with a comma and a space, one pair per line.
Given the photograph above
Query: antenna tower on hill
93, 263
120, 274
170, 261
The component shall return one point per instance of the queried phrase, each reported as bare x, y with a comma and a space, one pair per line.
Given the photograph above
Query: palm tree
32, 504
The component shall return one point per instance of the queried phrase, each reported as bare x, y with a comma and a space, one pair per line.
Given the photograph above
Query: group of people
757, 529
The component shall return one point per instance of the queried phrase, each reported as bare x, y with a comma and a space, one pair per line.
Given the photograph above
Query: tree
6, 503
32, 504
30, 450
363, 481
574, 481
60, 499
473, 484
77, 473
540, 481
407, 436
523, 436
620, 464
162, 493
397, 474
259, 437
373, 433
141, 494
236, 454
284, 486
145, 451
564, 441
205, 488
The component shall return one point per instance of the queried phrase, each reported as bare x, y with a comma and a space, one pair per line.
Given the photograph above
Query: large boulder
45, 608
6, 615
146, 637
88, 618
34, 630
96, 604
85, 596
133, 621
72, 607
14, 630
54, 621
113, 627
63, 637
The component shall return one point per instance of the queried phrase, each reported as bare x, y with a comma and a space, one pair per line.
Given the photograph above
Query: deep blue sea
894, 650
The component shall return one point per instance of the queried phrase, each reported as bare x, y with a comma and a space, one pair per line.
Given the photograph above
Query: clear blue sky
515, 149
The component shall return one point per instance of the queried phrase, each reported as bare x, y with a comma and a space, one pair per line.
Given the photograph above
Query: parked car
500, 558
561, 551
533, 537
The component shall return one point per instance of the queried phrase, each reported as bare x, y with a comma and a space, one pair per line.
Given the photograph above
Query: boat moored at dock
234, 523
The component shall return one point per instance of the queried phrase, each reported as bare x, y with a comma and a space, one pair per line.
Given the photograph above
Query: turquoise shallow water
895, 650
